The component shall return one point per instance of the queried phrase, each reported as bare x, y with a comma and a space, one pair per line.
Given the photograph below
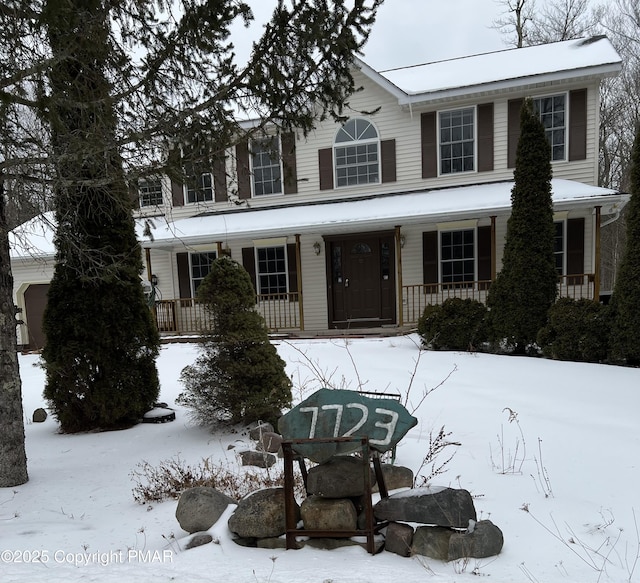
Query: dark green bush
239, 375
456, 324
576, 330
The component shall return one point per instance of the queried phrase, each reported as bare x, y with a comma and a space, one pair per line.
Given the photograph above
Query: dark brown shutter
388, 159
485, 137
430, 260
575, 250
578, 124
134, 195
244, 175
290, 182
177, 194
184, 277
484, 257
429, 142
513, 130
325, 168
249, 263
220, 180
292, 266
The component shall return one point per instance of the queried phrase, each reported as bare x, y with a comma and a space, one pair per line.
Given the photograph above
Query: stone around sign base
484, 539
261, 515
432, 542
398, 539
328, 513
200, 508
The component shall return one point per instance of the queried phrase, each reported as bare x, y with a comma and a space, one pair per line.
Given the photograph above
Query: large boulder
482, 539
398, 539
396, 477
438, 506
259, 459
432, 542
270, 442
261, 515
328, 514
200, 508
257, 428
340, 477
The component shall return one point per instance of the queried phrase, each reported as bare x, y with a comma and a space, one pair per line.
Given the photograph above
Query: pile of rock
440, 523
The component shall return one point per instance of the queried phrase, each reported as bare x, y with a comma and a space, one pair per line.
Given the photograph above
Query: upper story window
199, 187
552, 111
357, 154
457, 140
266, 166
150, 192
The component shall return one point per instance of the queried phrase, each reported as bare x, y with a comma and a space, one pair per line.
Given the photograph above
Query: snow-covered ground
569, 454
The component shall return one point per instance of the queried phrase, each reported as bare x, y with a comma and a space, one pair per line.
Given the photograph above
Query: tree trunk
13, 459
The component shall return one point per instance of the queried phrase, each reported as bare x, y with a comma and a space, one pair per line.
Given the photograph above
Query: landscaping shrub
239, 375
576, 330
456, 324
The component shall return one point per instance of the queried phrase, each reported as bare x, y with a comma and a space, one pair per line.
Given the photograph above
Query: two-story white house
362, 224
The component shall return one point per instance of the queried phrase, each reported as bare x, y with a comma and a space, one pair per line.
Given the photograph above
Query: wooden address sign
337, 413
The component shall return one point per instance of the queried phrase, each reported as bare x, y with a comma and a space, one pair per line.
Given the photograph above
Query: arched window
357, 153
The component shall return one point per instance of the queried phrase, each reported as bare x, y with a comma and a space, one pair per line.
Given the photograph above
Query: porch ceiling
373, 213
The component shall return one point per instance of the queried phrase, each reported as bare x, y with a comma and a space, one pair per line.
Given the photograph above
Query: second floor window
199, 187
552, 112
265, 166
150, 193
457, 141
357, 154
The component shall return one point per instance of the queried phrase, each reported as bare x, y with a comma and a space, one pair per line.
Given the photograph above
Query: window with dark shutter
219, 180
325, 168
485, 137
288, 142
177, 194
429, 143
388, 159
575, 250
430, 260
484, 257
184, 277
513, 130
249, 263
244, 174
578, 124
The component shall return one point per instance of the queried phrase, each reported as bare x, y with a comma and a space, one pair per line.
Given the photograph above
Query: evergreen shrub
576, 330
238, 376
456, 324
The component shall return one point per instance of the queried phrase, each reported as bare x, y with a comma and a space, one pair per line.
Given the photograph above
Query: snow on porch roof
381, 212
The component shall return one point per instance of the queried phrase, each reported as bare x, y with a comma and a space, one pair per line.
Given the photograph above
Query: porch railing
416, 297
189, 316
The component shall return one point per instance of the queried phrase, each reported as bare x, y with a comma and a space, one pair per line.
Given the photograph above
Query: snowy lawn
568, 453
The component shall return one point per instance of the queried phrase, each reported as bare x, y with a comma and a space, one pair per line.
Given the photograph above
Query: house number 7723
387, 422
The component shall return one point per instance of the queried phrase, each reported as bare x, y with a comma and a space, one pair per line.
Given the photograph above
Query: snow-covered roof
35, 238
446, 204
499, 70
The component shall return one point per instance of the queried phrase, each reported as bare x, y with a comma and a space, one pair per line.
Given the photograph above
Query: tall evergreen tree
526, 286
625, 301
98, 92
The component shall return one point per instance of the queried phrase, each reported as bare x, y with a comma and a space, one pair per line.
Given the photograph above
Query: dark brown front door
35, 301
362, 281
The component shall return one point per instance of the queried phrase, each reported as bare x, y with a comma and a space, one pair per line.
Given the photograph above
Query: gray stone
432, 542
39, 415
273, 543
328, 513
340, 477
483, 539
200, 508
259, 459
438, 506
396, 477
198, 539
398, 539
261, 515
270, 441
258, 428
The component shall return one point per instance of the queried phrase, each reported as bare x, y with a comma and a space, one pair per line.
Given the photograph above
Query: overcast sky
408, 32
